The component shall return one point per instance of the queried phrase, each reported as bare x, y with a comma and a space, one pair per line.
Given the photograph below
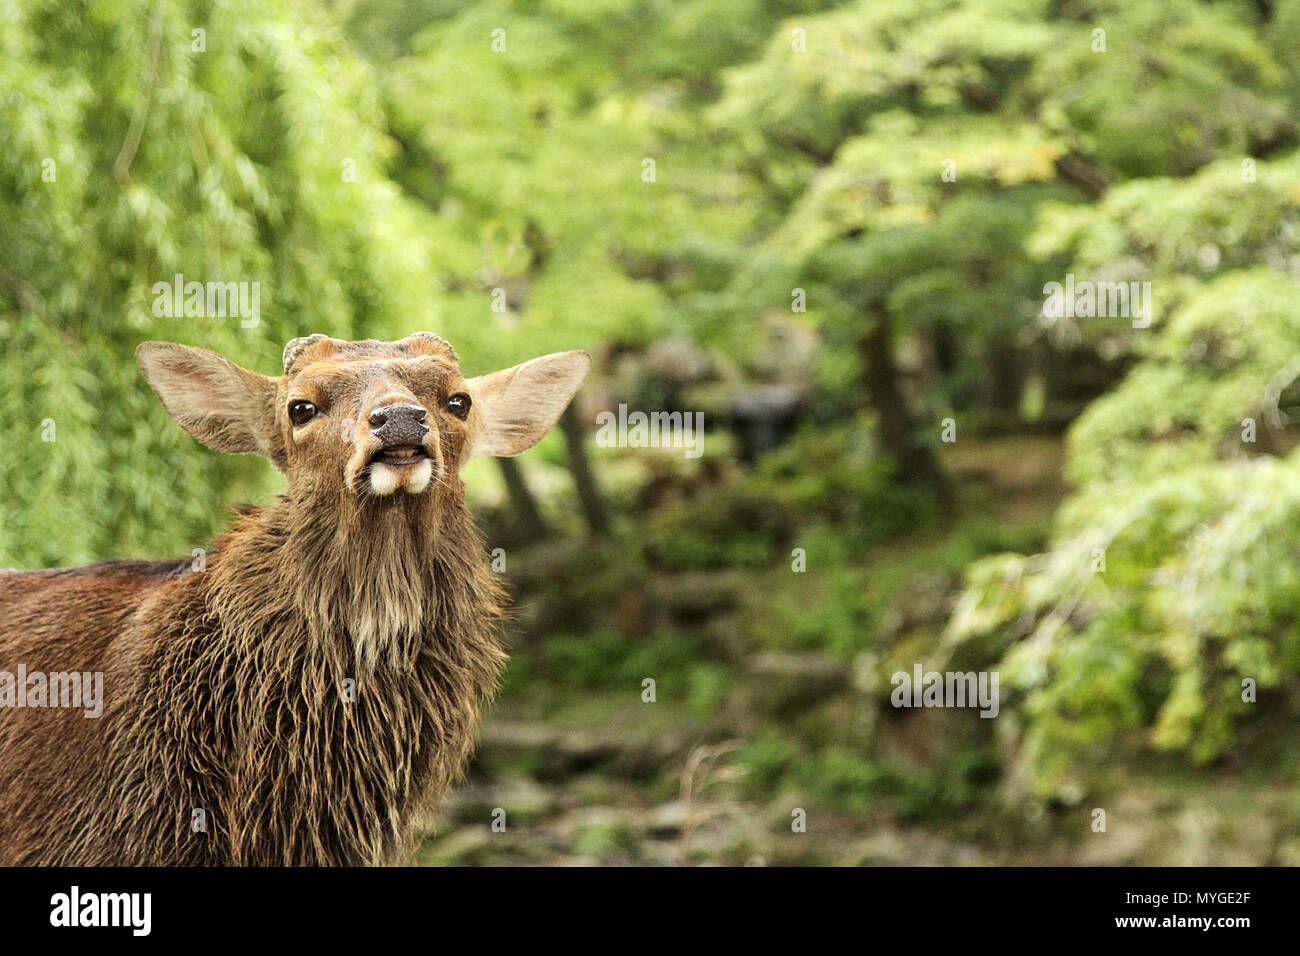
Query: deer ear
519, 405
222, 405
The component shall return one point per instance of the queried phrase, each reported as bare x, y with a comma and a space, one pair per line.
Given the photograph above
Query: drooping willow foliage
130, 157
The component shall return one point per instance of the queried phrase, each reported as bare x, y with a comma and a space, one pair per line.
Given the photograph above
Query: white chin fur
384, 480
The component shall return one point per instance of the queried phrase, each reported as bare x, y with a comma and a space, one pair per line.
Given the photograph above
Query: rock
884, 848
667, 819
782, 681
564, 752
513, 737
762, 417
890, 846
677, 362
467, 845
521, 797
725, 637
1137, 832
698, 594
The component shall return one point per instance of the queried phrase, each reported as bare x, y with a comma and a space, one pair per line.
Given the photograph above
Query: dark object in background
763, 417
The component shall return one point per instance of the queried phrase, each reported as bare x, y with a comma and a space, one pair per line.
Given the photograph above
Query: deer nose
400, 424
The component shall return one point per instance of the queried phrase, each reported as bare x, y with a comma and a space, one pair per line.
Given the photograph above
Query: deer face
395, 416
367, 419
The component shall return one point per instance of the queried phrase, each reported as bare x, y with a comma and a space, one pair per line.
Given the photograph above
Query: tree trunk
584, 481
531, 523
1005, 375
947, 353
898, 432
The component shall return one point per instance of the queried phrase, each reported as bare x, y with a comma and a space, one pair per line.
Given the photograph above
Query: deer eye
300, 413
459, 405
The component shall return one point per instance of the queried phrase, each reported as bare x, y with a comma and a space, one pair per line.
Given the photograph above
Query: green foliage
835, 610
226, 168
833, 474
380, 167
602, 840
1225, 357
826, 475
1185, 480
721, 528
1200, 592
605, 659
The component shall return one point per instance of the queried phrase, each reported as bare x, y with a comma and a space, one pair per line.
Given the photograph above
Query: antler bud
295, 347
430, 336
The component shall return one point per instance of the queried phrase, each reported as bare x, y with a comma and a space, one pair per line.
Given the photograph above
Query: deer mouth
410, 468
400, 456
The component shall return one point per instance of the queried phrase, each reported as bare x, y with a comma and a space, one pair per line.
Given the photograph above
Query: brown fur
224, 688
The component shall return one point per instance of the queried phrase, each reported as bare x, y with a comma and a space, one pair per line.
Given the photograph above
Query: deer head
366, 422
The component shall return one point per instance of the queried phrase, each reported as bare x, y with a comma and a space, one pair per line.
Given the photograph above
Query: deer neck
370, 584
398, 676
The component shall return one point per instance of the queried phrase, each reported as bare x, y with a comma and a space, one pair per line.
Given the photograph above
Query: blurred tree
904, 150
144, 140
1172, 587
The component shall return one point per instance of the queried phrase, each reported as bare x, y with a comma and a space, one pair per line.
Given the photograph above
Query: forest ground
595, 775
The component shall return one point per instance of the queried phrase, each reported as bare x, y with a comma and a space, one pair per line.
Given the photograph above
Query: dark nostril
399, 424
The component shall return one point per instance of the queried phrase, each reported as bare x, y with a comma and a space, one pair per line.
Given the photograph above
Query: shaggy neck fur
321, 685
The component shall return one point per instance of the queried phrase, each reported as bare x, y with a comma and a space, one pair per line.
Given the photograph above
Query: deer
308, 694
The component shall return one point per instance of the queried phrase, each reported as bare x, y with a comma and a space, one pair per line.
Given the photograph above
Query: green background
1113, 529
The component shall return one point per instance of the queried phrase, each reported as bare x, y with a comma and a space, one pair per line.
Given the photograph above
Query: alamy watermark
213, 300
953, 689
82, 690
683, 430
1087, 299
133, 911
